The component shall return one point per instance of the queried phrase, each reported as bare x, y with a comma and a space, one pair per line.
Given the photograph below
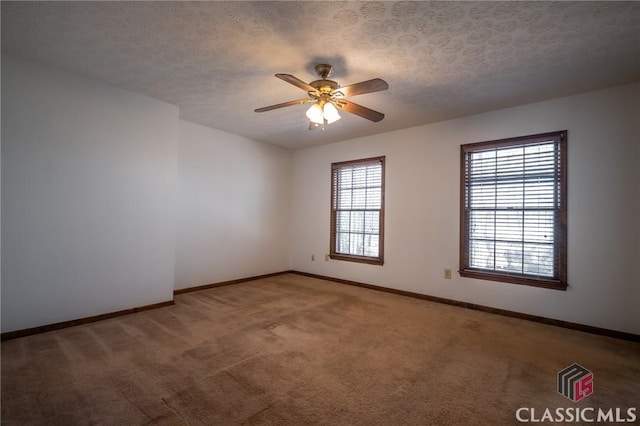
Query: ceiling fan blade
296, 82
356, 109
374, 85
284, 104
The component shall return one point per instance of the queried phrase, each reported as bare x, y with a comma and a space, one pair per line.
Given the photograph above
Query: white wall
234, 207
88, 197
422, 208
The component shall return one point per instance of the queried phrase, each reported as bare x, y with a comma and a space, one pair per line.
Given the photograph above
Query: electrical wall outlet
447, 273
313, 257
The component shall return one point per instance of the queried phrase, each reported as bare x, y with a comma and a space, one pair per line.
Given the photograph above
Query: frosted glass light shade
315, 114
331, 113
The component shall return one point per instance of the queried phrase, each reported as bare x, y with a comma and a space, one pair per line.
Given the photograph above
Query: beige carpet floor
294, 350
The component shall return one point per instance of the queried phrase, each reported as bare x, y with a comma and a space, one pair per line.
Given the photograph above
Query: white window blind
514, 207
357, 208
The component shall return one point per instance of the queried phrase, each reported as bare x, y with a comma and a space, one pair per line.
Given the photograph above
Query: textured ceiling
217, 60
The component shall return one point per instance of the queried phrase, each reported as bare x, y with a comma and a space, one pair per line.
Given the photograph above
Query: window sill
514, 279
357, 259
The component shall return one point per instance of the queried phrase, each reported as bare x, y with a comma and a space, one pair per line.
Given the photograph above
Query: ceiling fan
328, 97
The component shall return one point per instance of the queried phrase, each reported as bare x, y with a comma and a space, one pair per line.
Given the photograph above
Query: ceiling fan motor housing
324, 86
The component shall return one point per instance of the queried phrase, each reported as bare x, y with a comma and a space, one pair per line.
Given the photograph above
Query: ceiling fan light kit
327, 97
315, 113
319, 113
330, 113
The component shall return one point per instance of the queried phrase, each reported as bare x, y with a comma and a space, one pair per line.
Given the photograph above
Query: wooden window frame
333, 254
559, 280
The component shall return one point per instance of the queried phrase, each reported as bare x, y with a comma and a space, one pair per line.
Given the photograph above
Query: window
513, 215
357, 210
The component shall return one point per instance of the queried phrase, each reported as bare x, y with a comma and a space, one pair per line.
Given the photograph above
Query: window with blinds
513, 210
357, 210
